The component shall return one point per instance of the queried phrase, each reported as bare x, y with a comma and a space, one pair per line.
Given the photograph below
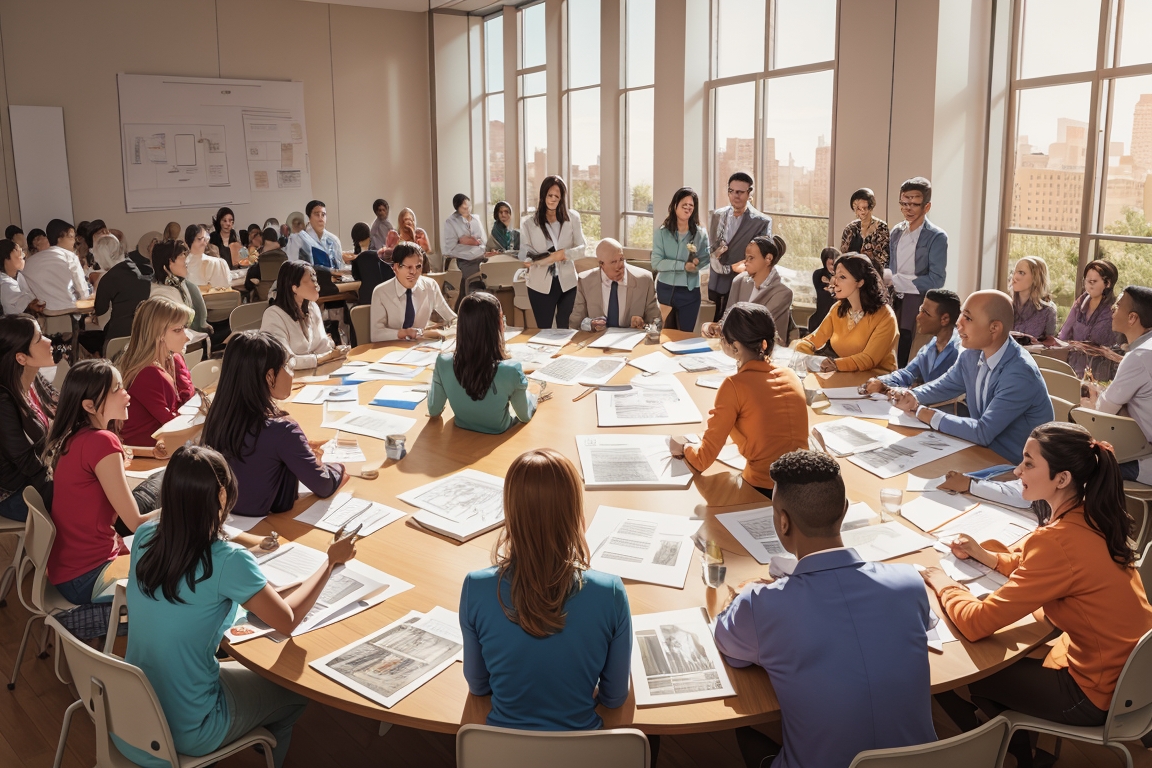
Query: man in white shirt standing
918, 261
634, 304
402, 306
315, 244
1132, 386
54, 275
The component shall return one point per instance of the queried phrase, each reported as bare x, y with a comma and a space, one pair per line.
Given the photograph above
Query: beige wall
366, 93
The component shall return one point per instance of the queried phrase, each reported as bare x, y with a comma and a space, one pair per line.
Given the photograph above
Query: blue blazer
841, 639
918, 371
931, 255
1017, 401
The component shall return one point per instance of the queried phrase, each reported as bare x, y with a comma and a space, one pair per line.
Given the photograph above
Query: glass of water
712, 568
891, 499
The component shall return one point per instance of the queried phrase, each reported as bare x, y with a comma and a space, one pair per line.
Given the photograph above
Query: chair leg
1124, 753
6, 584
64, 731
20, 653
43, 654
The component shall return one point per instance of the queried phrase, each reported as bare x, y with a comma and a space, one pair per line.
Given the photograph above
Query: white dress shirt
606, 293
455, 228
209, 270
1132, 387
981, 396
905, 274
307, 343
379, 233
55, 276
306, 239
389, 302
15, 295
570, 240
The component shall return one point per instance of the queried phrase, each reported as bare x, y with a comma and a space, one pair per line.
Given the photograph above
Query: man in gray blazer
730, 230
918, 259
615, 294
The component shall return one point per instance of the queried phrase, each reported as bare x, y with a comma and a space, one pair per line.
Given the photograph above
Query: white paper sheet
885, 541
334, 453
989, 522
530, 356
908, 453
377, 424
557, 337
393, 371
846, 436
844, 393
899, 418
711, 382
344, 511
707, 361
917, 483
868, 409
414, 357
929, 511
587, 371
755, 531
314, 394
688, 345
460, 504
291, 564
619, 338
392, 396
674, 658
630, 461
652, 400
644, 546
243, 523
656, 362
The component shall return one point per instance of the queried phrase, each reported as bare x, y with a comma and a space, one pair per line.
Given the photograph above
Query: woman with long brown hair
551, 241
153, 369
545, 636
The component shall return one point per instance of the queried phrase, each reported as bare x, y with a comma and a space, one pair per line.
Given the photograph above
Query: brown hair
541, 551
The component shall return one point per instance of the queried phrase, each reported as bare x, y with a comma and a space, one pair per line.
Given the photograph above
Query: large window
531, 84
639, 78
772, 118
583, 109
1079, 187
495, 189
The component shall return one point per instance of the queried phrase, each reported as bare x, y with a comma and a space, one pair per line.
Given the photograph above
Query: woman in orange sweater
1078, 567
761, 406
860, 329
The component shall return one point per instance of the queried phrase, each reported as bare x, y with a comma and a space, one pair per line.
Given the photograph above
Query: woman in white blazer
550, 243
295, 318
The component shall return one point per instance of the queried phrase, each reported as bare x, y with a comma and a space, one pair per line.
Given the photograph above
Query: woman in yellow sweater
860, 330
761, 406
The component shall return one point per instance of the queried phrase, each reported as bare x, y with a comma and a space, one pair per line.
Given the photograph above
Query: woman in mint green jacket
679, 247
478, 380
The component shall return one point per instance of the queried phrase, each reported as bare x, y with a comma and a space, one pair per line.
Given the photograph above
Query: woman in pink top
154, 371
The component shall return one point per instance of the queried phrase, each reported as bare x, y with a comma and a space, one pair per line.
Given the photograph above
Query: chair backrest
1125, 435
1062, 385
362, 324
220, 304
1130, 715
115, 346
1052, 364
585, 263
246, 317
983, 747
1061, 408
1145, 568
270, 265
484, 746
39, 536
500, 271
205, 374
1138, 508
120, 701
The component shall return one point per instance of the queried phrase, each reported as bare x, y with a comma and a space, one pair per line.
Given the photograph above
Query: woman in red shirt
154, 371
86, 462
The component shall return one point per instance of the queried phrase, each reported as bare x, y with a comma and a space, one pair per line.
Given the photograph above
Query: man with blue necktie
1002, 385
615, 294
402, 307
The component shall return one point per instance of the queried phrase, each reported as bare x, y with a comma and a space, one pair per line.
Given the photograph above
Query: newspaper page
643, 546
674, 659
630, 461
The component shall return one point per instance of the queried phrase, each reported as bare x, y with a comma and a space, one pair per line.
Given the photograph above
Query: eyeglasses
908, 204
738, 191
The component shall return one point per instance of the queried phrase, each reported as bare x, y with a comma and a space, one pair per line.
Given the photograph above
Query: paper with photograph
675, 659
459, 504
556, 337
652, 400
643, 546
569, 369
846, 436
630, 461
908, 453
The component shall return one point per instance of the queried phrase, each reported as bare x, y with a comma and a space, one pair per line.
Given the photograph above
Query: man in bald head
615, 294
1003, 388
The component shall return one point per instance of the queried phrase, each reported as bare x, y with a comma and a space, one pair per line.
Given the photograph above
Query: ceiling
478, 7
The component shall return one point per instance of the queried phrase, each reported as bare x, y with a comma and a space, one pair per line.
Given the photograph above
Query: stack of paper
707, 361
399, 397
350, 367
644, 546
619, 338
656, 362
868, 409
530, 356
908, 453
383, 372
588, 371
929, 511
314, 394
988, 522
343, 511
711, 382
375, 424
555, 336
650, 400
388, 665
885, 541
630, 461
688, 346
845, 437
414, 357
674, 658
461, 506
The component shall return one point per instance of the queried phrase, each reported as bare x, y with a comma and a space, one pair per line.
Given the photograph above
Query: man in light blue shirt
937, 317
844, 641
315, 244
1005, 393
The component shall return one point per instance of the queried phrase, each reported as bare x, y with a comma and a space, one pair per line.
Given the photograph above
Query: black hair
192, 231
458, 200
918, 184
1096, 481
404, 249
290, 275
11, 231
17, 335
496, 210
360, 232
313, 205
380, 202
1109, 274
33, 234
542, 207
7, 248
873, 295
751, 325
810, 485
270, 235
93, 227
192, 522
864, 194
829, 253
671, 223
57, 228
742, 176
87, 380
479, 343
163, 254
947, 301
772, 247
1141, 298
243, 401
219, 217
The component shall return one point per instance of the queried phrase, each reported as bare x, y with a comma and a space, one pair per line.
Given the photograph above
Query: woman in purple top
1090, 320
265, 447
1035, 312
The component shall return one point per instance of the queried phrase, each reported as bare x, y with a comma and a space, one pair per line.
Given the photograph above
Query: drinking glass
712, 568
891, 499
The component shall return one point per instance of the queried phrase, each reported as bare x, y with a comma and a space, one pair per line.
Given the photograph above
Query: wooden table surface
437, 566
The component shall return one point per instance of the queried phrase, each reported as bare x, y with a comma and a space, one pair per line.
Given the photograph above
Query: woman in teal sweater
679, 247
479, 381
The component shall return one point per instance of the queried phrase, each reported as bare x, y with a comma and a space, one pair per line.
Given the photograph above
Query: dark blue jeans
685, 304
1129, 470
14, 507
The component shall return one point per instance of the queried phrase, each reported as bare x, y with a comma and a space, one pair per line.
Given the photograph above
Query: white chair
121, 701
1061, 385
1053, 364
484, 746
247, 317
205, 374
1123, 433
1061, 408
983, 747
1145, 568
220, 304
1137, 507
500, 272
115, 346
1129, 716
362, 324
16, 528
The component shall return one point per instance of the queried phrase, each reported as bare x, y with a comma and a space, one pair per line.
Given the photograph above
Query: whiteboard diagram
207, 142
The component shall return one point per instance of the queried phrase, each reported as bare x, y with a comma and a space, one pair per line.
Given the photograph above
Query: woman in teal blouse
479, 381
679, 247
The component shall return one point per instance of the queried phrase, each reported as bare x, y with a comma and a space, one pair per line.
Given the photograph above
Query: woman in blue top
479, 381
547, 638
679, 247
184, 584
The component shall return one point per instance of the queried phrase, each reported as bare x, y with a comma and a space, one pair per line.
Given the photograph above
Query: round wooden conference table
437, 566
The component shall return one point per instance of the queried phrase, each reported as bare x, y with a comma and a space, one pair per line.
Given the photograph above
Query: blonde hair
146, 345
409, 235
1038, 296
541, 551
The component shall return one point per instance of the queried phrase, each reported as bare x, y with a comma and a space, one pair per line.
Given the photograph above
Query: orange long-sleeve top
763, 408
1064, 567
869, 345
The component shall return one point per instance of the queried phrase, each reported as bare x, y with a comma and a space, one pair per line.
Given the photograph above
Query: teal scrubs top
490, 414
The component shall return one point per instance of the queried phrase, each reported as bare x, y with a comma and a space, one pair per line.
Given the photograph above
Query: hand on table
638, 323
937, 580
964, 547
341, 550
957, 482
828, 365
676, 446
873, 387
408, 334
338, 353
904, 400
710, 330
599, 324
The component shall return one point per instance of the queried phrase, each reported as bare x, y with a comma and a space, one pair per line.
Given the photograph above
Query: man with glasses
403, 306
919, 258
730, 230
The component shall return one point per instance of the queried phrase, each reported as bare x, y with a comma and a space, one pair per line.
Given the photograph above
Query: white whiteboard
41, 160
193, 142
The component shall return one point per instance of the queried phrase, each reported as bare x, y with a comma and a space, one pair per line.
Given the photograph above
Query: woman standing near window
678, 249
866, 235
551, 242
464, 240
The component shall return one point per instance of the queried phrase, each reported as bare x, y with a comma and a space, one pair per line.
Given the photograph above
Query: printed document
675, 658
908, 453
569, 369
342, 510
619, 338
630, 461
462, 503
644, 546
291, 564
845, 437
375, 424
989, 522
652, 400
556, 337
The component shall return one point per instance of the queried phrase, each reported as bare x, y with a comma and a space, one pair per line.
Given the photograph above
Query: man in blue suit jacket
1004, 390
937, 317
918, 259
843, 640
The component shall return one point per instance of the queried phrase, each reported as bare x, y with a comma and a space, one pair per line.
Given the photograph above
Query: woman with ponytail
760, 283
1077, 566
762, 405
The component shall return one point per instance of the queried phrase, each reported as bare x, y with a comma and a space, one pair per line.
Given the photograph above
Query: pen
584, 394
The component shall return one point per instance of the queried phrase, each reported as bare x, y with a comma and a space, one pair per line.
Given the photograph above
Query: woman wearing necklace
866, 234
501, 238
760, 283
860, 332
1090, 320
678, 248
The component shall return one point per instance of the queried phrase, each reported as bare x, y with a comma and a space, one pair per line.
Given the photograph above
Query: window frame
487, 119
566, 102
521, 103
625, 90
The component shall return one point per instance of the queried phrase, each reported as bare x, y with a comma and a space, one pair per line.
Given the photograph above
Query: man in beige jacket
615, 294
